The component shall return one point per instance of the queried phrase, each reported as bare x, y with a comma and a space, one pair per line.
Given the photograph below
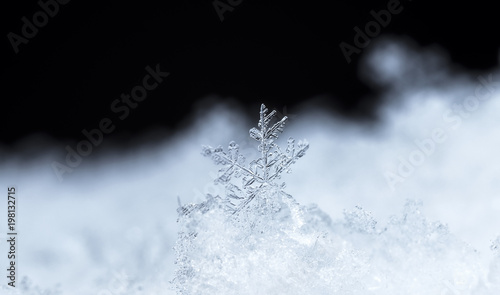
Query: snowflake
260, 175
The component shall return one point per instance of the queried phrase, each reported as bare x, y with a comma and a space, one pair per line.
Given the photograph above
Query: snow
111, 226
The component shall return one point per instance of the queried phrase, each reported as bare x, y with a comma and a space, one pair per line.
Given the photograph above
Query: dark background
278, 52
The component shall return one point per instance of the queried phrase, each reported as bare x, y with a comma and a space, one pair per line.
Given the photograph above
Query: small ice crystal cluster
256, 239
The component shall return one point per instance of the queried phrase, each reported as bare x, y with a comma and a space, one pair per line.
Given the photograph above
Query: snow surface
110, 227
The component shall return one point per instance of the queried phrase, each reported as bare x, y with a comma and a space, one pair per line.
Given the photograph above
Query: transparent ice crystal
260, 176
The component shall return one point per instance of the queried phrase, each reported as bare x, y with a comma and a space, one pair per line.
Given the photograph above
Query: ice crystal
360, 220
261, 175
495, 246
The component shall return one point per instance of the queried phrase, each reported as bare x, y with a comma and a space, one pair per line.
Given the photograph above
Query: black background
278, 52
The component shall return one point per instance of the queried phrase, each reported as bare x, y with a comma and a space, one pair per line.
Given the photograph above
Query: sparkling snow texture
256, 239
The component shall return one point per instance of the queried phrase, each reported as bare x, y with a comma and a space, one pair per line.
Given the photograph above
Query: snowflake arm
233, 162
288, 158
